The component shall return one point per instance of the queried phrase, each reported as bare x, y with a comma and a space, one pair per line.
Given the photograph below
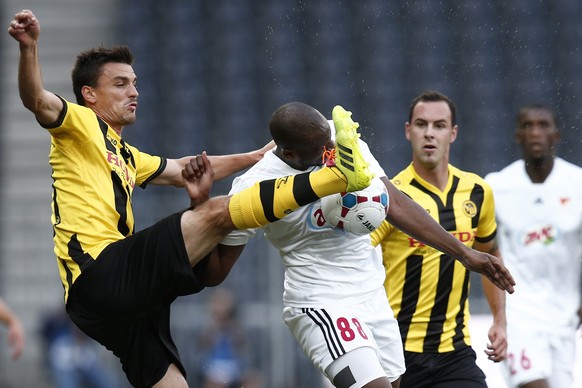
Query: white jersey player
333, 293
539, 216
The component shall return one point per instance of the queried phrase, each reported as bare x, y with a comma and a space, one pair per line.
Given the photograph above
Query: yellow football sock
270, 200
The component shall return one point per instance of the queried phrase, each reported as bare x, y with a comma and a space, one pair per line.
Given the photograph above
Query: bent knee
213, 213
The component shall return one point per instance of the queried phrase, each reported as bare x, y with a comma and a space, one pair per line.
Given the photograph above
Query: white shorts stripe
328, 330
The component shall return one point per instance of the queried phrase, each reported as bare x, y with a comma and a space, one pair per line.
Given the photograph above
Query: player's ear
454, 133
518, 136
88, 94
288, 153
407, 130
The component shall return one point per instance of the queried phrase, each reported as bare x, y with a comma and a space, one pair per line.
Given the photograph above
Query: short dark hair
536, 106
87, 68
294, 124
434, 96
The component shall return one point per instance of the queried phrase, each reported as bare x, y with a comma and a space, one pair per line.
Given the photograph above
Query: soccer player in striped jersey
539, 212
427, 289
118, 283
334, 300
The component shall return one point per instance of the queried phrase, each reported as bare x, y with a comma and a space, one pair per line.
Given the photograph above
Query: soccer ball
359, 212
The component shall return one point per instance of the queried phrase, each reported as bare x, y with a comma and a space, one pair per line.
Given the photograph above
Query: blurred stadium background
211, 72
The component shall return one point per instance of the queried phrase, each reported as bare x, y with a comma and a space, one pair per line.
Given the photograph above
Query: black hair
434, 96
87, 68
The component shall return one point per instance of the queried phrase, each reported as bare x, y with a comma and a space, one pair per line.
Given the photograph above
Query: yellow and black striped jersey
428, 290
94, 173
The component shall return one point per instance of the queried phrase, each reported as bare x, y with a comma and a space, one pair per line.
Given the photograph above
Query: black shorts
122, 300
457, 369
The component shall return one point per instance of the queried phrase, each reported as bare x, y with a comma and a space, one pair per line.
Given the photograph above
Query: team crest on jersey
469, 208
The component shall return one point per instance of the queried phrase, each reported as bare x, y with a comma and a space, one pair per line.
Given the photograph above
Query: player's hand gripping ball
359, 212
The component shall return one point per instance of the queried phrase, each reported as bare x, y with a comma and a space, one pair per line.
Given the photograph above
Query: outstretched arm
223, 165
215, 267
15, 330
497, 346
412, 219
25, 29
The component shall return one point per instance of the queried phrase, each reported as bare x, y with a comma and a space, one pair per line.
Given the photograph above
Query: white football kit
540, 237
333, 291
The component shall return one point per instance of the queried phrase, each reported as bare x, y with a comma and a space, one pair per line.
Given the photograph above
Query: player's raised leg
271, 200
349, 158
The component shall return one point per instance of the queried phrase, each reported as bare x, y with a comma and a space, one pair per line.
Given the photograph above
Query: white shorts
535, 355
331, 337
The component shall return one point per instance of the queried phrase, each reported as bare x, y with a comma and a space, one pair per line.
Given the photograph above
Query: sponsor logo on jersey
120, 168
540, 234
315, 219
464, 237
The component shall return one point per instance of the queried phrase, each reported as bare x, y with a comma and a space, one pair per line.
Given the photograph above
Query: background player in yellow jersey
119, 284
427, 290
